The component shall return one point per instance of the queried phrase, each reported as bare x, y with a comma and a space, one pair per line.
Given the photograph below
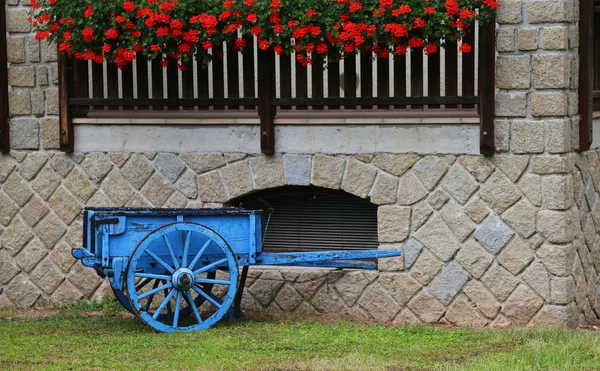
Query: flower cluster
119, 30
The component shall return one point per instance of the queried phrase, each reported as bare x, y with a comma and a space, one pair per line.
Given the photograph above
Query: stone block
9, 209
22, 292
32, 164
559, 136
288, 299
47, 276
96, 165
61, 163
157, 189
34, 211
170, 166
502, 135
513, 72
211, 188
509, 12
474, 258
457, 220
50, 230
563, 290
384, 189
476, 210
33, 50
410, 189
66, 293
555, 316
137, 170
21, 76
401, 286
436, 236
438, 198
203, 162
426, 268
395, 264
482, 298
512, 104
555, 38
556, 226
512, 166
24, 134
430, 170
428, 308
420, 214
65, 205
527, 39
462, 314
516, 256
42, 76
78, 183
460, 184
328, 171
446, 285
237, 179
117, 188
187, 185
549, 11
8, 268
522, 305
499, 193
19, 103
528, 137
16, 236
16, 21
46, 183
267, 171
521, 218
552, 71
549, 104
50, 133
31, 255
15, 48
505, 40
493, 234
296, 169
544, 165
537, 277
500, 282
379, 303
411, 251
61, 256
359, 178
395, 164
478, 166
558, 259
17, 189
557, 192
393, 223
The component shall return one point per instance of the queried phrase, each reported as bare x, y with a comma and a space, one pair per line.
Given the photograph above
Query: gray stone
201, 163
266, 288
79, 185
119, 158
6, 167
96, 165
379, 303
8, 269
47, 276
237, 179
61, 164
15, 48
474, 258
384, 190
516, 256
24, 133
117, 188
448, 283
506, 40
308, 282
394, 264
395, 164
21, 76
400, 285
351, 286
590, 193
9, 209
552, 71
22, 292
176, 201
32, 164
502, 135
499, 193
556, 226
15, 236
19, 104
288, 299
411, 250
65, 293
563, 290
86, 280
50, 133
430, 170
510, 12
437, 237
267, 172
426, 267
543, 165
482, 298
559, 136
550, 11
477, 210
438, 198
456, 219
17, 189
521, 218
557, 259
527, 40
296, 169
35, 210
187, 185
359, 178
51, 96
327, 301
137, 170
65, 205
46, 183
478, 166
549, 104
460, 184
531, 186
99, 199
420, 214
522, 305
50, 230
157, 190
462, 314
500, 282
138, 201
169, 165
393, 223
557, 192
555, 316
428, 308
511, 166
328, 171
513, 104
493, 234
211, 187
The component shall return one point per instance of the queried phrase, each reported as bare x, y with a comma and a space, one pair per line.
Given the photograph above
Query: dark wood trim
65, 70
586, 73
4, 126
200, 102
369, 101
266, 92
487, 90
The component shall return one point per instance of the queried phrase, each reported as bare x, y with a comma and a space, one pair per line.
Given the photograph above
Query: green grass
92, 337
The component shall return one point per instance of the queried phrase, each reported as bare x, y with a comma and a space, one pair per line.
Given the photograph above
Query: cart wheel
122, 298
172, 271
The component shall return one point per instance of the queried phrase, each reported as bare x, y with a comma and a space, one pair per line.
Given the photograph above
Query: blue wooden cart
178, 269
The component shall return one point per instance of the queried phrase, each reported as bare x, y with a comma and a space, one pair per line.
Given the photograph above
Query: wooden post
65, 69
4, 127
586, 73
266, 92
487, 83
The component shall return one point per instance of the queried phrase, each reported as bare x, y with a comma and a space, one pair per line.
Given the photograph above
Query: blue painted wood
320, 256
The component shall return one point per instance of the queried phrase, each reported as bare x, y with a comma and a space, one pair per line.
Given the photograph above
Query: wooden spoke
209, 297
168, 244
190, 299
153, 276
147, 306
197, 257
177, 309
164, 304
210, 266
216, 282
159, 260
186, 248
155, 290
143, 284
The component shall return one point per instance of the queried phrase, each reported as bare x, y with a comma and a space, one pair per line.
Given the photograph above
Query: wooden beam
586, 73
266, 92
65, 69
4, 126
487, 89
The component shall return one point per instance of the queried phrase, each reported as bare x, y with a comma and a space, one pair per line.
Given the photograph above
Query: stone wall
506, 240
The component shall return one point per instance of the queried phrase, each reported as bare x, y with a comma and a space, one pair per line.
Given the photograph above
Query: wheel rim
172, 271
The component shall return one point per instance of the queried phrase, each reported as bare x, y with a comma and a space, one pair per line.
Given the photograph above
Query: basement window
314, 219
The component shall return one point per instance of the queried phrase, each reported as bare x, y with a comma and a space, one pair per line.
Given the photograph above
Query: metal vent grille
312, 222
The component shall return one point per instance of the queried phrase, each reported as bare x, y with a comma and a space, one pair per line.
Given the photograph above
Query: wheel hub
183, 279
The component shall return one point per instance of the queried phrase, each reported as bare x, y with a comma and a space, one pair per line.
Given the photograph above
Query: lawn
83, 338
